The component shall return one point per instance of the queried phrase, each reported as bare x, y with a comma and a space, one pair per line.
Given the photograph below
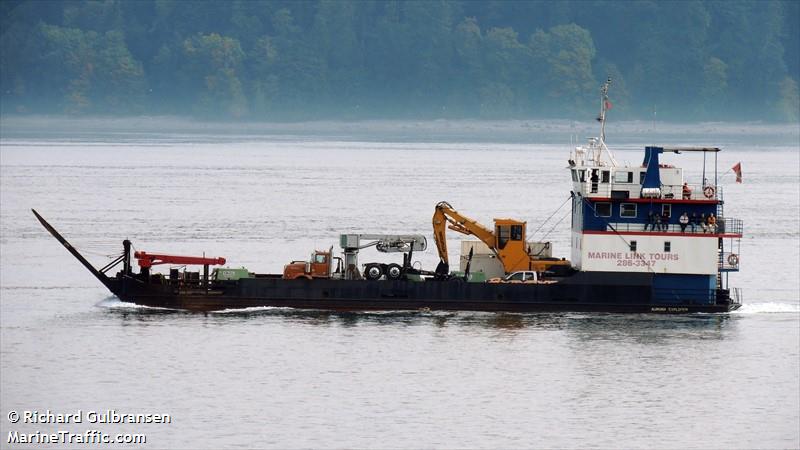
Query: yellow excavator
507, 241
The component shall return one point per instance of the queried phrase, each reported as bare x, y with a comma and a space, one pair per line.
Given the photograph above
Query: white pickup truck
523, 276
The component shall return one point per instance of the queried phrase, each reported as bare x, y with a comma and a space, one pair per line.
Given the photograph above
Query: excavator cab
509, 231
511, 245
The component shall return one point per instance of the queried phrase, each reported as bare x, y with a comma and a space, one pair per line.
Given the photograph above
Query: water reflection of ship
649, 329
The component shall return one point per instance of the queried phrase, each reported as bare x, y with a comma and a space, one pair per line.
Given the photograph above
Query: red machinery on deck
147, 260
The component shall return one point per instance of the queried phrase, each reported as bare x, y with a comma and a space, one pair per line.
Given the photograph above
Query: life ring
708, 191
733, 259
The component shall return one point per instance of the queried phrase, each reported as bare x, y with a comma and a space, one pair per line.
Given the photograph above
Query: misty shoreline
516, 130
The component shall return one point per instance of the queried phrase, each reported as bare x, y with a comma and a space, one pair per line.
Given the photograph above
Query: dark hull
581, 292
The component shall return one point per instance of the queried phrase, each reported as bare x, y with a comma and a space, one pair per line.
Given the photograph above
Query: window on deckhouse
622, 176
627, 210
602, 209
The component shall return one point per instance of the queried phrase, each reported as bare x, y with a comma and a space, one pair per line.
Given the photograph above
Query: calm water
287, 379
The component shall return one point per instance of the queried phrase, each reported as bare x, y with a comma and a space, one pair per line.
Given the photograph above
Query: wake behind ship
643, 239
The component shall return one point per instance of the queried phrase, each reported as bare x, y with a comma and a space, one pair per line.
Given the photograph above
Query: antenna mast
605, 105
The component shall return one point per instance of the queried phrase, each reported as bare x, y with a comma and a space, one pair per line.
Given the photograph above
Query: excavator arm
446, 217
508, 243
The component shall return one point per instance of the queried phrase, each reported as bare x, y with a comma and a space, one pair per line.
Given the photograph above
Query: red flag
608, 105
737, 169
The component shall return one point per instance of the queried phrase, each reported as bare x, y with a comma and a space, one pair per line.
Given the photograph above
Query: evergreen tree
307, 59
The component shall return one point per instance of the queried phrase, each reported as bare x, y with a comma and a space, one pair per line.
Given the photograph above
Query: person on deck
656, 222
704, 222
712, 223
687, 192
694, 222
683, 220
664, 221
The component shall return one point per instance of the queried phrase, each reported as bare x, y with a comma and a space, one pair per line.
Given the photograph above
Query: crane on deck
148, 260
321, 264
507, 241
384, 243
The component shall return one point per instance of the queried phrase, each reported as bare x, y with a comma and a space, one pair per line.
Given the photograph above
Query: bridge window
602, 209
605, 176
666, 209
627, 210
620, 194
641, 177
582, 175
622, 176
574, 175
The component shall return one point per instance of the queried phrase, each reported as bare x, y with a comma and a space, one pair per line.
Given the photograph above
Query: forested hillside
343, 59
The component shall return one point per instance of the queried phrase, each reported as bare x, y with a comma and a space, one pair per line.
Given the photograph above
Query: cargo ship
643, 240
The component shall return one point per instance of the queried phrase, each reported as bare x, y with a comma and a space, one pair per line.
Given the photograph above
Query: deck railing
725, 225
695, 192
730, 225
668, 191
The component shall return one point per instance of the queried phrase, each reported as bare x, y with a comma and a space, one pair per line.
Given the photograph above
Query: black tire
373, 272
394, 272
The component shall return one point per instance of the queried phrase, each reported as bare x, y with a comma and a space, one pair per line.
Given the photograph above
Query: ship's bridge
648, 217
598, 179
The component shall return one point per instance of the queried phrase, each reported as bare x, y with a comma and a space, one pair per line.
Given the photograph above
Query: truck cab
320, 265
522, 276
